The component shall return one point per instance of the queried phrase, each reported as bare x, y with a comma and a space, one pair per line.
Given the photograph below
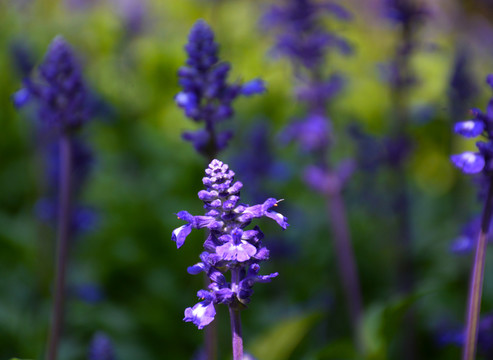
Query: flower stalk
234, 313
345, 259
476, 283
64, 220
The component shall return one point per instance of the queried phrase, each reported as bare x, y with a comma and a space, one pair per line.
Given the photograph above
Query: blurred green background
144, 173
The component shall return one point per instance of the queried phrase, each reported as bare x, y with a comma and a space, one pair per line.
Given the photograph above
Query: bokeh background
126, 277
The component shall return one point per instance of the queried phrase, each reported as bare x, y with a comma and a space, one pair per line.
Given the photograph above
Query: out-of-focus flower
206, 95
101, 348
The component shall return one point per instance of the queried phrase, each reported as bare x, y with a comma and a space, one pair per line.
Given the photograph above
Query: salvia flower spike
206, 94
63, 105
477, 162
229, 247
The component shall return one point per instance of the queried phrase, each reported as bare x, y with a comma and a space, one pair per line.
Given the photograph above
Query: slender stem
234, 314
64, 217
476, 284
345, 259
210, 334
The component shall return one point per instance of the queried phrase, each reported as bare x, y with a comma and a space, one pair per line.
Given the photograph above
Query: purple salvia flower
59, 92
101, 348
63, 105
206, 95
229, 247
478, 163
303, 39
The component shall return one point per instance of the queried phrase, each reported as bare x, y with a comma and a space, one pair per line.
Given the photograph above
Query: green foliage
279, 342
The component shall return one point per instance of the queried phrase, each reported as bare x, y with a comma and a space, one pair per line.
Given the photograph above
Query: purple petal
468, 162
180, 234
196, 269
278, 218
240, 253
469, 128
202, 314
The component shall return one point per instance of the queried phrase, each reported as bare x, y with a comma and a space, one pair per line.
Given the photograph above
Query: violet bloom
206, 95
229, 246
101, 348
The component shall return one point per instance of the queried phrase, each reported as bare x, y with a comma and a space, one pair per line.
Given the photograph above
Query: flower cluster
481, 124
206, 95
229, 246
61, 96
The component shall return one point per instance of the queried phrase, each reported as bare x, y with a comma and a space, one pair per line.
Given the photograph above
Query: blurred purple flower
101, 348
206, 95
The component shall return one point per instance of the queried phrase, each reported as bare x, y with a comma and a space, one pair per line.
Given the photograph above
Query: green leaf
342, 349
380, 324
279, 342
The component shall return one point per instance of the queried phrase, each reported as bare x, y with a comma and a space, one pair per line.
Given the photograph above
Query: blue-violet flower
229, 246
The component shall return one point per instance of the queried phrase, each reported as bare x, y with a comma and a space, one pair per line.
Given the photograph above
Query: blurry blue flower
101, 348
468, 237
206, 95
229, 246
302, 37
312, 133
59, 91
134, 15
90, 293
